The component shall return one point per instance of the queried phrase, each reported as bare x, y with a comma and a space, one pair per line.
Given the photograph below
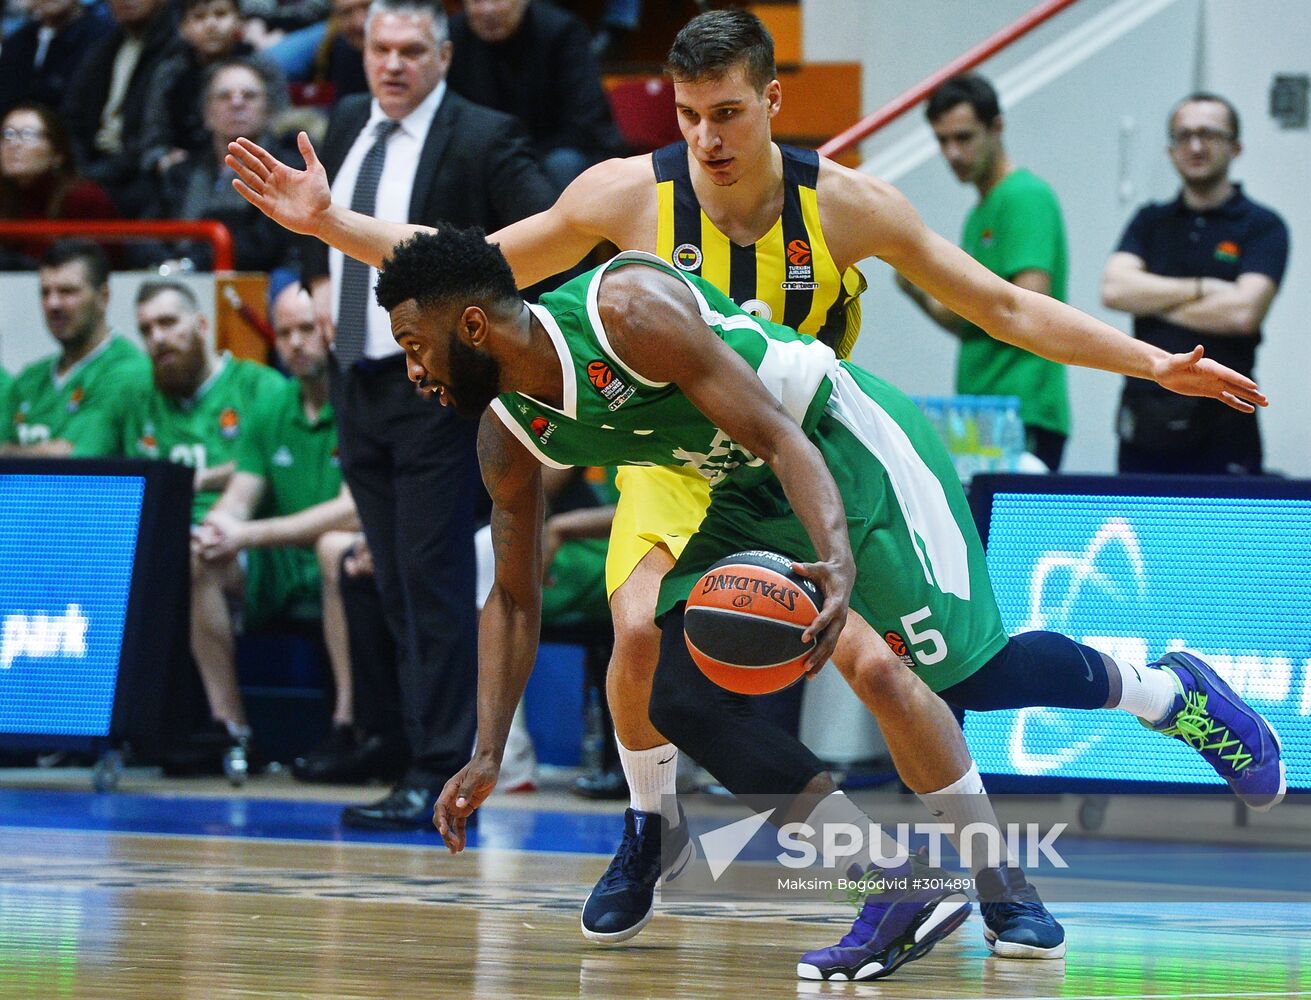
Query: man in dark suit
38, 59
411, 151
105, 102
533, 60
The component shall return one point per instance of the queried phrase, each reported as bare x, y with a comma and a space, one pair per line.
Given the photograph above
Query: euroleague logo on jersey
614, 390
229, 423
801, 274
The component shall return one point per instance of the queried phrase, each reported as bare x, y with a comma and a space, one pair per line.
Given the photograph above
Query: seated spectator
284, 508
105, 105
269, 21
236, 103
197, 413
534, 61
329, 56
39, 180
176, 123
37, 60
73, 402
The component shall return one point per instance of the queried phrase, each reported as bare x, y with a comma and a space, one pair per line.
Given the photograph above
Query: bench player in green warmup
288, 510
790, 439
72, 403
197, 413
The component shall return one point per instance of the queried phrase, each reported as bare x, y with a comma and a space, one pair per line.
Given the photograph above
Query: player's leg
1180, 696
621, 902
760, 762
213, 588
328, 551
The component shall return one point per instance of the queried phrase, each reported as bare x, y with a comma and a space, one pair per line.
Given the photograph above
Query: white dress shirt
393, 203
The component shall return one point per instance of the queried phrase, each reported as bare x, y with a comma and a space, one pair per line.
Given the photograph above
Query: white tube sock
1147, 692
964, 803
652, 776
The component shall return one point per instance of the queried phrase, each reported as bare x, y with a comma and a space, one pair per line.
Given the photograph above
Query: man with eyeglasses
1201, 269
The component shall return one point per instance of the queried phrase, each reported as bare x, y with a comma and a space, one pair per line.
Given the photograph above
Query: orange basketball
744, 621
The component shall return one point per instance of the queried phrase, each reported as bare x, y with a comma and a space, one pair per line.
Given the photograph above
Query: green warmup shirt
204, 431
575, 587
6, 393
921, 576
1017, 227
297, 459
85, 406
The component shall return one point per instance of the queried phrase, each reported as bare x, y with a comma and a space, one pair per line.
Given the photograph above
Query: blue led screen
1136, 577
67, 545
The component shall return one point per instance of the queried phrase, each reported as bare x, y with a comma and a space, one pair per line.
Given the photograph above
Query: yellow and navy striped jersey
788, 276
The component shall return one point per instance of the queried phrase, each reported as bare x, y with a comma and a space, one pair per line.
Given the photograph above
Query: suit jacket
476, 169
545, 75
21, 81
85, 101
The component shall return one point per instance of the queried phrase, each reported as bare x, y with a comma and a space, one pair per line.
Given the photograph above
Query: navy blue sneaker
1015, 923
1234, 739
894, 927
622, 902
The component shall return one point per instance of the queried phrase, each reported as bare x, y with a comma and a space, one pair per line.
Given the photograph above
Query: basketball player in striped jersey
786, 227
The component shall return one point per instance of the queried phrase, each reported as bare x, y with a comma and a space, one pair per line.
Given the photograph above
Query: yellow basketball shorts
658, 505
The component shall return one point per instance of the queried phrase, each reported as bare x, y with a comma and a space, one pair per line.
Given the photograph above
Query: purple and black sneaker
895, 926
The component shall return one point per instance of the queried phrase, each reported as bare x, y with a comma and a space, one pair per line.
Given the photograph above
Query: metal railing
899, 105
125, 231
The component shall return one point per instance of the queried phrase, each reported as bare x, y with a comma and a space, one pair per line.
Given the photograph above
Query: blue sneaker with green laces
1232, 737
1016, 924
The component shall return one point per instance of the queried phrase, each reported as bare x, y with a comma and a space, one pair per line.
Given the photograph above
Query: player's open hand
464, 793
1192, 374
834, 579
295, 199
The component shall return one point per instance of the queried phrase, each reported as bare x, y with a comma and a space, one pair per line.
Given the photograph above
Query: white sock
836, 808
962, 803
652, 778
1147, 692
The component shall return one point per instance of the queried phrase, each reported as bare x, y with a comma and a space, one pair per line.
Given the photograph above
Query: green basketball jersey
922, 581
612, 416
203, 431
296, 457
85, 405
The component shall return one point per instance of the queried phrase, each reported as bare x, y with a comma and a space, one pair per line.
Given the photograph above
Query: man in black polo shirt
1199, 270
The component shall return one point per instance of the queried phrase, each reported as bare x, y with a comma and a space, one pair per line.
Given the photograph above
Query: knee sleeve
1035, 668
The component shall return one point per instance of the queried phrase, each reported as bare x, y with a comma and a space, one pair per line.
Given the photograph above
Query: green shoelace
1195, 727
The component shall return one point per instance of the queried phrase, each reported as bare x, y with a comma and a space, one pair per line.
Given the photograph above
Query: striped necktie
353, 306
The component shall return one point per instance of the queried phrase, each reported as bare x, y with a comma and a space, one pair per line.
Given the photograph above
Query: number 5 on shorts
937, 645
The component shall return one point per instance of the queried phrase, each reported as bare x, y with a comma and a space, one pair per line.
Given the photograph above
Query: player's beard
475, 379
181, 376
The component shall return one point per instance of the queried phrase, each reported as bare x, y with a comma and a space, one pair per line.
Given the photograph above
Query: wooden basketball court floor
168, 895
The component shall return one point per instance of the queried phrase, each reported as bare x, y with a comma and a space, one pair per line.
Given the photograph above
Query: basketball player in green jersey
742, 189
790, 439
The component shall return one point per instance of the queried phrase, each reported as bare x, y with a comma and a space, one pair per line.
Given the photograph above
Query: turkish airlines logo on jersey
614, 390
801, 274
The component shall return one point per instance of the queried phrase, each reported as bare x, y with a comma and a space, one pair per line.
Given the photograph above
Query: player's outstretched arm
652, 321
510, 625
1016, 315
301, 200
